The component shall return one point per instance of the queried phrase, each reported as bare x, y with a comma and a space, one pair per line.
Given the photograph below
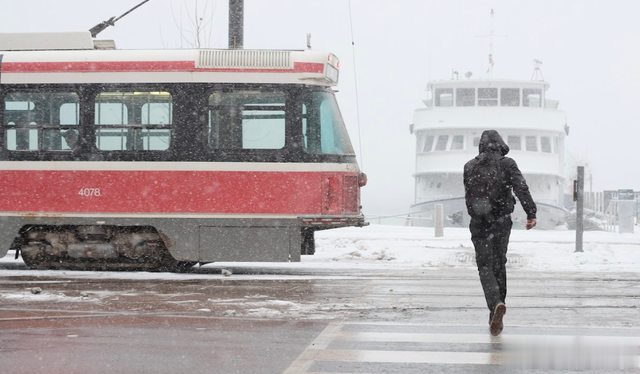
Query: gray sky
590, 52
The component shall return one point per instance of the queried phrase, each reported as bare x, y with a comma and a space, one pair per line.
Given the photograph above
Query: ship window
441, 145
531, 97
444, 96
532, 144
428, 144
476, 141
487, 96
556, 145
545, 144
457, 142
465, 97
514, 142
509, 97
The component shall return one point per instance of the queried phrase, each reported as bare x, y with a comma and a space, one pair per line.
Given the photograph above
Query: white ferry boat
447, 132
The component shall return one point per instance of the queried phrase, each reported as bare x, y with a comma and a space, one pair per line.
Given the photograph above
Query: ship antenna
490, 70
491, 36
536, 71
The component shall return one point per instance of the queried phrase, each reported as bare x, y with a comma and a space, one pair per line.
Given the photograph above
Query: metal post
236, 24
579, 208
439, 224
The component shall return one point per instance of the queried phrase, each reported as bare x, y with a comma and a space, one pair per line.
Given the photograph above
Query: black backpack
488, 186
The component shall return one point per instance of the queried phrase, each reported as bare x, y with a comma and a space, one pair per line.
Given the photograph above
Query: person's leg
502, 232
483, 239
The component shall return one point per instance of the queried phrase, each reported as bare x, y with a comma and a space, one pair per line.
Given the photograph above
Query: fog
589, 51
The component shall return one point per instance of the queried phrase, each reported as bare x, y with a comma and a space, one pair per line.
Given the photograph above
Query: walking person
490, 179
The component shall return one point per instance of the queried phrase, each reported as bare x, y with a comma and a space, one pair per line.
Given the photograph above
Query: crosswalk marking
302, 363
370, 348
476, 338
416, 337
427, 357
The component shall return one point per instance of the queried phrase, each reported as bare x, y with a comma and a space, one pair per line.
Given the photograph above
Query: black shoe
496, 326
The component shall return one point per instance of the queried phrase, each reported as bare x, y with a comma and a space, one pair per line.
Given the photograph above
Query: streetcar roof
77, 61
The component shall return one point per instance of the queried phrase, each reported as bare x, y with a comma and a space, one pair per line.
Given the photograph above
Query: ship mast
490, 70
491, 36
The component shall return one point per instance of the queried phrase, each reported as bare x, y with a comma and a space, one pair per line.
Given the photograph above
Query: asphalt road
287, 320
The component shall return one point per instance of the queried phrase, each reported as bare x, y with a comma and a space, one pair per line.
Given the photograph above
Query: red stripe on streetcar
142, 66
84, 191
96, 66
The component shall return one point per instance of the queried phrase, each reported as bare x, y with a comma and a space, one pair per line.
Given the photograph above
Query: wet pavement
288, 319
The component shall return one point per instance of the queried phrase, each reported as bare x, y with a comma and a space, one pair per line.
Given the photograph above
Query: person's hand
531, 223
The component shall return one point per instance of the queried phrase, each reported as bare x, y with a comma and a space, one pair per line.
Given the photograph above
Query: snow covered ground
408, 250
380, 246
397, 246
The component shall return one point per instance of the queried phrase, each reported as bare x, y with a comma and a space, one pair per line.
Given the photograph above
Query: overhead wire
355, 80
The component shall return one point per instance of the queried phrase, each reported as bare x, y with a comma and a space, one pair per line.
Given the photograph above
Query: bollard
579, 198
439, 222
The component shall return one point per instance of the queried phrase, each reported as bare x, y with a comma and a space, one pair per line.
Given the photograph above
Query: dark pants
490, 237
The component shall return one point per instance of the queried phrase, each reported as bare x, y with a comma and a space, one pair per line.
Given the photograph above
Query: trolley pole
236, 24
578, 191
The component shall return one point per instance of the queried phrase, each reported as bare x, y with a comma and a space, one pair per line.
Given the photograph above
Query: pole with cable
355, 79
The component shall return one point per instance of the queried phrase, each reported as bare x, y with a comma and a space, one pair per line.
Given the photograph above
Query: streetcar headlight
362, 179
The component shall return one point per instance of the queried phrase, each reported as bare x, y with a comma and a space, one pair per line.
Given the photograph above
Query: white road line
413, 357
417, 338
480, 338
513, 348
308, 356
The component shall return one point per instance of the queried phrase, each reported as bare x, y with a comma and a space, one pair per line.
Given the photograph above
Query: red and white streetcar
160, 158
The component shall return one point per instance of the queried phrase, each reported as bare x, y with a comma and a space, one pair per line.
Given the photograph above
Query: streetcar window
246, 120
487, 96
514, 142
39, 121
531, 97
444, 96
509, 97
140, 121
465, 97
545, 144
322, 127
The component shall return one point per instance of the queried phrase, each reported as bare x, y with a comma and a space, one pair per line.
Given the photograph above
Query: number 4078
89, 192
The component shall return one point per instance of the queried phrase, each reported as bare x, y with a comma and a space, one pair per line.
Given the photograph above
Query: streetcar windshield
322, 126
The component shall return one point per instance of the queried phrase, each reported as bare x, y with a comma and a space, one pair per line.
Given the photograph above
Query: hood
491, 141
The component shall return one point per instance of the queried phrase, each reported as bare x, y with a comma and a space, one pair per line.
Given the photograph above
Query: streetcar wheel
185, 266
308, 242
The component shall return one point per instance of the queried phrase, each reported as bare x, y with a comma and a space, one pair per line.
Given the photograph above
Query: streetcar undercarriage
161, 244
95, 247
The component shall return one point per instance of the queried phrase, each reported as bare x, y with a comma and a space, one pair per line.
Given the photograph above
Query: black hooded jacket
493, 149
